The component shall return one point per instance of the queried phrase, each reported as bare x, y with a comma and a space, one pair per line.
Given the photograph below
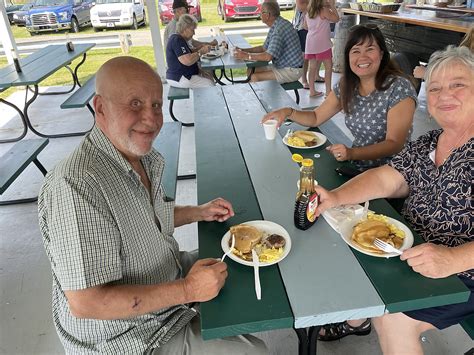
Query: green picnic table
310, 287
34, 69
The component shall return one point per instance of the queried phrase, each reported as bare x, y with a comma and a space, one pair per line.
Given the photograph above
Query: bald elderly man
120, 283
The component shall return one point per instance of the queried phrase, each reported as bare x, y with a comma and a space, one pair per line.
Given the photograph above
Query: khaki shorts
287, 75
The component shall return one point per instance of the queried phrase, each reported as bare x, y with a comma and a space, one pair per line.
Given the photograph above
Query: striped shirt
101, 226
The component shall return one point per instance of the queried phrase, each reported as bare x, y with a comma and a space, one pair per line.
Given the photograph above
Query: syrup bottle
306, 199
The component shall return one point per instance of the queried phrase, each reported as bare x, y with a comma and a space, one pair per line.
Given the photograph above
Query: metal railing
120, 40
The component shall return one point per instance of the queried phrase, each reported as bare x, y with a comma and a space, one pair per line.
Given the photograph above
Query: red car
165, 8
239, 9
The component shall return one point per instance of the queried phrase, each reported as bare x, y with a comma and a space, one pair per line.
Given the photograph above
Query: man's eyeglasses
265, 12
369, 26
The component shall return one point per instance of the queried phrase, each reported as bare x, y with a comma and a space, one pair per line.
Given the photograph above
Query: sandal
319, 80
306, 86
335, 331
317, 94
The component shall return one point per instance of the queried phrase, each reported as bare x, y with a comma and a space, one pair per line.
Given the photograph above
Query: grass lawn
208, 12
95, 58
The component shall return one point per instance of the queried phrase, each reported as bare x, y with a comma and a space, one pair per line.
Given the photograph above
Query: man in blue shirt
282, 47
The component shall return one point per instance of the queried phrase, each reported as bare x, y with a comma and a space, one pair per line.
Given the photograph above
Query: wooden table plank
221, 171
320, 270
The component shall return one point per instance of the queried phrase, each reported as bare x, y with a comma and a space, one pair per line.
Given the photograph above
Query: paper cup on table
270, 128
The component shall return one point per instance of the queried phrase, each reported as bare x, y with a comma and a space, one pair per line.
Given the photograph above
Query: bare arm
384, 181
198, 44
203, 282
330, 12
216, 210
189, 59
254, 53
399, 121
321, 114
438, 261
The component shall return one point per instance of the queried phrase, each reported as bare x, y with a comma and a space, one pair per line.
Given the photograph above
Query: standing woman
299, 24
318, 41
377, 99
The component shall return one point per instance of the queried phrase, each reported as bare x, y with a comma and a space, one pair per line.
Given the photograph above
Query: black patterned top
367, 119
439, 206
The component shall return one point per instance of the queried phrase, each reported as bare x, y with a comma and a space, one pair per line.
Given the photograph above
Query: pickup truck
55, 15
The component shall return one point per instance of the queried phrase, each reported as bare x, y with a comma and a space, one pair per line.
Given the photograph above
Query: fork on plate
232, 245
380, 244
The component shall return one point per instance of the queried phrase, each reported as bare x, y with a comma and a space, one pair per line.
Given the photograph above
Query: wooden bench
82, 96
14, 161
294, 85
175, 93
168, 143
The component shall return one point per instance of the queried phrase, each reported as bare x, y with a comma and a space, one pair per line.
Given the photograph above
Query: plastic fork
378, 243
230, 250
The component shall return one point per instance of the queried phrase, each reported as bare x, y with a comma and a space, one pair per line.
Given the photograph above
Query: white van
117, 13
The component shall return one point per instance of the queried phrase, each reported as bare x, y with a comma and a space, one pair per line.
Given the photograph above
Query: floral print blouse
440, 204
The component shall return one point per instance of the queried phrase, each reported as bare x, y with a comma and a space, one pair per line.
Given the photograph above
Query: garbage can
340, 37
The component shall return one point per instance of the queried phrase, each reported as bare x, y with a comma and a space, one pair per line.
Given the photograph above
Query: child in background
318, 41
300, 26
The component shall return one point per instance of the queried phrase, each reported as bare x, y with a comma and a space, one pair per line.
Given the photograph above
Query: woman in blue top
183, 70
377, 99
435, 174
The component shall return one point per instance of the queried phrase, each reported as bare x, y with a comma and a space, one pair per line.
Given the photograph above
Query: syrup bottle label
313, 203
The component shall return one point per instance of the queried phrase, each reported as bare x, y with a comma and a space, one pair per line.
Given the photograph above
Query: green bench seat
81, 96
175, 93
295, 86
468, 326
17, 159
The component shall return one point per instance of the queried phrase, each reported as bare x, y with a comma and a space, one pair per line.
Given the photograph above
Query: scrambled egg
269, 255
296, 141
393, 229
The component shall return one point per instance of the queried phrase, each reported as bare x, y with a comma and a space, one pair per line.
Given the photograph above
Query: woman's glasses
369, 26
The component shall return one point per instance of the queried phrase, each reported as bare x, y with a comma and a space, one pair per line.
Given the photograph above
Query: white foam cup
270, 128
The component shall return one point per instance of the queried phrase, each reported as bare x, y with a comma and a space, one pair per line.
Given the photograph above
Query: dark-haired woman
377, 99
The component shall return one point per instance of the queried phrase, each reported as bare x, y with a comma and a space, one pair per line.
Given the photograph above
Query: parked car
165, 8
287, 4
11, 9
118, 13
239, 9
19, 17
55, 15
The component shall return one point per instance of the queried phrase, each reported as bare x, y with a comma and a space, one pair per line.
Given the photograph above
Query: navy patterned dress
367, 119
440, 209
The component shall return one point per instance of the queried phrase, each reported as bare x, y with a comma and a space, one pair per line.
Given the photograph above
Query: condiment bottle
16, 62
306, 199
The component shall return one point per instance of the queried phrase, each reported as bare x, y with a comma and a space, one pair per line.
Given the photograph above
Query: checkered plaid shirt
283, 44
99, 227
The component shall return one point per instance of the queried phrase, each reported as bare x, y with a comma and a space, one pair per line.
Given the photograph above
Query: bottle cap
297, 158
307, 162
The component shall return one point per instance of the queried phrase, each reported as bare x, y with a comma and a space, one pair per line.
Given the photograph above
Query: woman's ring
338, 155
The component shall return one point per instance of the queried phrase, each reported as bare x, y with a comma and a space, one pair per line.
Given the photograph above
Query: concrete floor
25, 304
